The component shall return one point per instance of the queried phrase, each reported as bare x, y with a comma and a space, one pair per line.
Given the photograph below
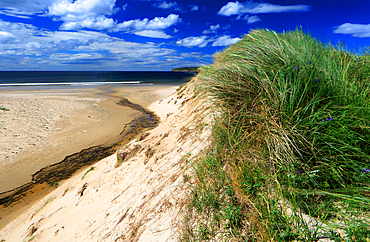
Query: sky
156, 35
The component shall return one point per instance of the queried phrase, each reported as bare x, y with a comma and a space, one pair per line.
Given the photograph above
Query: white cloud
252, 19
25, 46
165, 5
250, 7
231, 9
101, 22
225, 40
94, 14
168, 5
27, 7
212, 29
15, 13
82, 35
26, 39
356, 30
158, 23
70, 11
142, 27
18, 30
6, 37
153, 34
124, 7
193, 7
200, 41
80, 14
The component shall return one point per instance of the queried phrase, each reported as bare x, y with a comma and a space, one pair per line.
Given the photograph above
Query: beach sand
140, 200
44, 126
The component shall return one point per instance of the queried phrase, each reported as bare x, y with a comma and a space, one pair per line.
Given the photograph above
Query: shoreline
38, 187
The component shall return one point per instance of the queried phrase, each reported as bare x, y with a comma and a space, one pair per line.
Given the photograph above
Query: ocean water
70, 79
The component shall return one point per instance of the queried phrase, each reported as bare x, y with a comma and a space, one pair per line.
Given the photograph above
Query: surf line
44, 181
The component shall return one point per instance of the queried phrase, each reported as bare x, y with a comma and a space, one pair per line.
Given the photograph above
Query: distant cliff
186, 69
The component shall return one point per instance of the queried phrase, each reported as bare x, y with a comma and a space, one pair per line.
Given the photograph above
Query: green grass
294, 129
90, 169
4, 109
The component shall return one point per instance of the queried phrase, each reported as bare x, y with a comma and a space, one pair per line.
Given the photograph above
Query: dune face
138, 198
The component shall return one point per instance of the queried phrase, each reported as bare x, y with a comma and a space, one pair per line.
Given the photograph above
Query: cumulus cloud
192, 41
168, 5
95, 14
202, 41
212, 29
158, 23
225, 41
356, 30
251, 7
25, 46
80, 8
142, 27
99, 23
16, 31
69, 11
165, 5
252, 19
81, 14
26, 39
29, 47
193, 7
153, 34
6, 37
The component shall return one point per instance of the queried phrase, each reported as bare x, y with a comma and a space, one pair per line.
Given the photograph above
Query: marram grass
294, 129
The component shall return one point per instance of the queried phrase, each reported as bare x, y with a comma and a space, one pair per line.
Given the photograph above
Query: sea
78, 79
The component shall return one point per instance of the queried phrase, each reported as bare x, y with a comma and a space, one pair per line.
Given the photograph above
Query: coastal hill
186, 69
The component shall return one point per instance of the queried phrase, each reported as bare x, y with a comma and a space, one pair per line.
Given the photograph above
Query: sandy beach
44, 126
142, 199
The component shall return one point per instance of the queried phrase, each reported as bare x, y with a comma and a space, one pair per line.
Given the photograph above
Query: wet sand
42, 127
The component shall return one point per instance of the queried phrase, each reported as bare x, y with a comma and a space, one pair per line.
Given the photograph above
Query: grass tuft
292, 141
90, 169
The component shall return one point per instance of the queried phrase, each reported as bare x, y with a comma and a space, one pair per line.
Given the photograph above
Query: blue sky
128, 35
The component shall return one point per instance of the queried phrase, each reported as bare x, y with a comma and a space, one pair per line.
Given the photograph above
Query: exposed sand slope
139, 200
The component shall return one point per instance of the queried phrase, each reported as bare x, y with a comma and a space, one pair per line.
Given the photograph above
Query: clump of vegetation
90, 169
293, 138
4, 109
